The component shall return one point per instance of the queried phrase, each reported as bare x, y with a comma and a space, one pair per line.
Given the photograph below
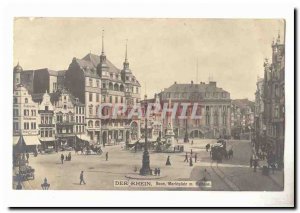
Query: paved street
233, 174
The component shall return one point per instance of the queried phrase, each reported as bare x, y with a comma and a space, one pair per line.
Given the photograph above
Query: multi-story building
212, 113
95, 80
90, 81
47, 122
274, 101
39, 81
259, 126
65, 117
242, 118
25, 120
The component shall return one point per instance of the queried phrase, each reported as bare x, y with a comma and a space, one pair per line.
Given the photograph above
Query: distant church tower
126, 72
102, 68
17, 75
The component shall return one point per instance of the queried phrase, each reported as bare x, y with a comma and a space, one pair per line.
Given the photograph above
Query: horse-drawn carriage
90, 150
219, 151
26, 172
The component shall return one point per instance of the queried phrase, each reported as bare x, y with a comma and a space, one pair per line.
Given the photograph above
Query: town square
177, 117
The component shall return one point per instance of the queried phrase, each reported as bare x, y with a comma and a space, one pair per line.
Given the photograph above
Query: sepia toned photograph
148, 104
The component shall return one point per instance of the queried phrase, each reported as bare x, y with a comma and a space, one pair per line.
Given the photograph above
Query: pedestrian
195, 157
174, 149
69, 156
27, 156
81, 178
273, 168
251, 161
62, 157
155, 171
168, 163
158, 171
255, 164
191, 161
186, 158
191, 152
106, 156
192, 142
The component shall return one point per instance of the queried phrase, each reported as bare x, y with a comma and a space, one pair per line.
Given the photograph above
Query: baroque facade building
95, 80
274, 101
212, 110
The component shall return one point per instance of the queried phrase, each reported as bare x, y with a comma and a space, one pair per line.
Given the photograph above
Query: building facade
25, 120
242, 119
213, 110
95, 80
259, 126
274, 101
47, 122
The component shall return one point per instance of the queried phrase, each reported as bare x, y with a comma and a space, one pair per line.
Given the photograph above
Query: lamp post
145, 170
186, 135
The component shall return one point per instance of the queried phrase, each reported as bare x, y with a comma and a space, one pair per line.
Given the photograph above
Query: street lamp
45, 185
145, 170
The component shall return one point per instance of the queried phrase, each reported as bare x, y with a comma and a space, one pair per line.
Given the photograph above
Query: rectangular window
50, 133
116, 99
91, 97
46, 133
42, 133
16, 126
91, 82
97, 82
97, 97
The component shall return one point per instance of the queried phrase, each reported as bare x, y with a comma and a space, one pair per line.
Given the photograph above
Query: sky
160, 51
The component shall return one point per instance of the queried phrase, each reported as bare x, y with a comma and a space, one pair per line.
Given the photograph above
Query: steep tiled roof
92, 60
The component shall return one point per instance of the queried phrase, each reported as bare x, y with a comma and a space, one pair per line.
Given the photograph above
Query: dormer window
111, 76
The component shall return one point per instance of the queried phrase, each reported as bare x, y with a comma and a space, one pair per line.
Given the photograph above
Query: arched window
97, 123
110, 86
26, 100
116, 87
122, 88
90, 123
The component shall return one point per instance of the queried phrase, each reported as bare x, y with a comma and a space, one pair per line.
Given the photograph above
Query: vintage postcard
148, 104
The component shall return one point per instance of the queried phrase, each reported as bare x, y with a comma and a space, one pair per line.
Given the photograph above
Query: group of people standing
190, 159
67, 158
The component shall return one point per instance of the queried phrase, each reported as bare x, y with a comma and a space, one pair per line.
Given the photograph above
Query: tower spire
197, 72
126, 63
126, 60
102, 42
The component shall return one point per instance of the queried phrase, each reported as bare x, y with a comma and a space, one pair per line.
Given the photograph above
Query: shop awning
31, 140
47, 139
83, 137
16, 140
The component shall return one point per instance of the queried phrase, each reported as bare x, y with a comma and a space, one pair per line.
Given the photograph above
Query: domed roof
18, 68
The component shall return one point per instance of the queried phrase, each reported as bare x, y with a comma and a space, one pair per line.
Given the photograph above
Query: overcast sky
160, 51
